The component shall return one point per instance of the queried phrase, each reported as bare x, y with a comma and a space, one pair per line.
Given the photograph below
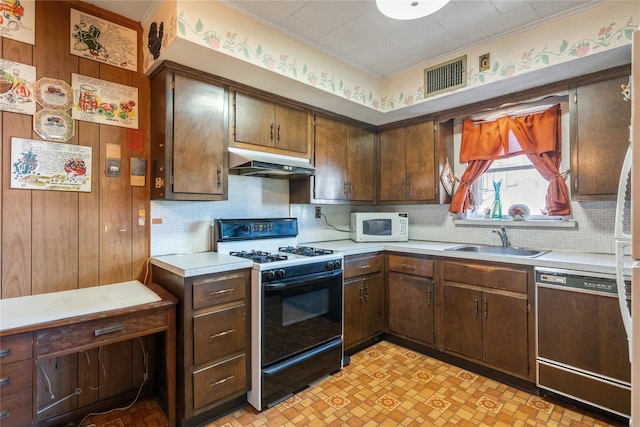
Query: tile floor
388, 385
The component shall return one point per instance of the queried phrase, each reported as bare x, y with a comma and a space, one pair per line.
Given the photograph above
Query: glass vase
496, 208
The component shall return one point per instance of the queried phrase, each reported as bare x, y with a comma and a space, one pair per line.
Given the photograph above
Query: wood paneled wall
54, 240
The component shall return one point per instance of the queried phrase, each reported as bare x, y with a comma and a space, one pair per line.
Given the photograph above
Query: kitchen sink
498, 250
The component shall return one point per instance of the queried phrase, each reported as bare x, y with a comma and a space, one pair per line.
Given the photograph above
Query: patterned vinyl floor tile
388, 385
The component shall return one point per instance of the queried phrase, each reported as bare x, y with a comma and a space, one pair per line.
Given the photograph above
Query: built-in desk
37, 327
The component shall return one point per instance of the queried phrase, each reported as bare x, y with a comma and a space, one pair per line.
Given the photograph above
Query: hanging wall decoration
18, 19
108, 103
103, 41
53, 125
42, 165
16, 87
53, 93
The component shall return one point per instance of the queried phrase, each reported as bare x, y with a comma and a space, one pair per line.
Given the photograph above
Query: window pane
522, 184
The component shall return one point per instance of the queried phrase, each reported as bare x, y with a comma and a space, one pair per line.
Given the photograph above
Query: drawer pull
408, 267
108, 330
4, 353
222, 381
364, 267
222, 334
221, 292
5, 381
4, 414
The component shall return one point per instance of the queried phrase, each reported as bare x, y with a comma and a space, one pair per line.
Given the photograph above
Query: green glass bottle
496, 208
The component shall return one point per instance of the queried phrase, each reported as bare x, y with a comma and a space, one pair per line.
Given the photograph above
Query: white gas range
297, 305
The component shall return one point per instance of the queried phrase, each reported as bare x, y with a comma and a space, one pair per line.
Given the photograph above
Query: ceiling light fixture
409, 9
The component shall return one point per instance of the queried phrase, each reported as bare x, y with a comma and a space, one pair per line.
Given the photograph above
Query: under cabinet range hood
257, 163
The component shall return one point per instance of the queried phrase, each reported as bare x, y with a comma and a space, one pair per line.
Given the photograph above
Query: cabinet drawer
354, 267
15, 393
219, 334
410, 265
16, 347
213, 290
98, 332
489, 276
219, 381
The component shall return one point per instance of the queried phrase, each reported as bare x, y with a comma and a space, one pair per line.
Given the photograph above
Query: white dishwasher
581, 343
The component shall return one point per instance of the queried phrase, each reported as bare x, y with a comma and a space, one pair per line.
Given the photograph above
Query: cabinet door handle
222, 334
4, 414
366, 292
219, 176
429, 295
278, 137
212, 384
408, 267
475, 309
486, 307
5, 381
271, 133
5, 353
108, 330
221, 292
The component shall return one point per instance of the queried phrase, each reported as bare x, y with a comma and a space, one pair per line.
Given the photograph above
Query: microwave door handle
302, 281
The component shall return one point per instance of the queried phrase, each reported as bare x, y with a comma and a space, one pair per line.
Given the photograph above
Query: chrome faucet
502, 233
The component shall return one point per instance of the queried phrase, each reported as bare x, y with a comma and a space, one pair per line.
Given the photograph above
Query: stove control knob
280, 273
269, 275
333, 265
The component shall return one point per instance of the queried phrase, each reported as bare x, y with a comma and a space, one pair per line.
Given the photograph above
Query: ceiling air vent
445, 77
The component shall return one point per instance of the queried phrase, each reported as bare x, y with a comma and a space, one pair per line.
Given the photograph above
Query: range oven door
299, 314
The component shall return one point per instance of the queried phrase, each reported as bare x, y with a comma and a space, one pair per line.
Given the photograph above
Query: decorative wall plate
53, 125
53, 93
519, 212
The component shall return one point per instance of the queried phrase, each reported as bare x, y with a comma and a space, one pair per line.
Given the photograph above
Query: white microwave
379, 226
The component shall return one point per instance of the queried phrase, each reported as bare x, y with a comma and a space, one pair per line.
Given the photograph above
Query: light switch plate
113, 169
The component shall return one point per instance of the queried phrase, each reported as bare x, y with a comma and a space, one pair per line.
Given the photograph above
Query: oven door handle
272, 370
309, 279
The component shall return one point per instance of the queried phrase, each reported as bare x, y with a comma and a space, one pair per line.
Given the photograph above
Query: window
521, 183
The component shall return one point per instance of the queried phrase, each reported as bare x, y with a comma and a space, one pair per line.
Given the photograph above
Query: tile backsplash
185, 226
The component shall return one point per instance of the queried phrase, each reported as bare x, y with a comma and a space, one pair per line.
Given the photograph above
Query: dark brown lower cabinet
411, 299
411, 307
213, 341
486, 317
363, 298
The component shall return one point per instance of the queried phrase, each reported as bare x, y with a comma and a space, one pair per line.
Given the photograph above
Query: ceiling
356, 32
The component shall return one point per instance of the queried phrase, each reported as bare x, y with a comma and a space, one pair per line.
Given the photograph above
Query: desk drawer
219, 334
16, 347
219, 381
410, 265
16, 381
83, 335
218, 289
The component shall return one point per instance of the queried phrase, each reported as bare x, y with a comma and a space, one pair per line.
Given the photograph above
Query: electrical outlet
318, 212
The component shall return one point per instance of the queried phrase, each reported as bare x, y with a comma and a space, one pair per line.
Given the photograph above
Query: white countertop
188, 265
196, 264
42, 308
570, 260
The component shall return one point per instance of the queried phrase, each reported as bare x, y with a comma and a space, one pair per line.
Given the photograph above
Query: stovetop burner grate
304, 250
259, 256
